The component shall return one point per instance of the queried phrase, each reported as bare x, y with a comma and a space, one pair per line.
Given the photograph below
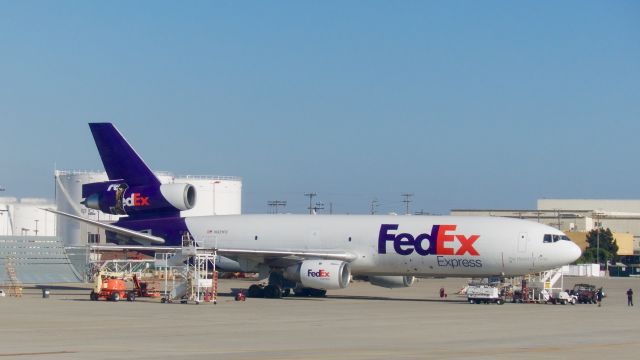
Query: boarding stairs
187, 273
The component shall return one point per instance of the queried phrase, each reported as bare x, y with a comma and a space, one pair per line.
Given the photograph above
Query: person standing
629, 297
599, 297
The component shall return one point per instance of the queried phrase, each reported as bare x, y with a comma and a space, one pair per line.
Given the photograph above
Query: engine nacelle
392, 282
114, 197
320, 274
180, 196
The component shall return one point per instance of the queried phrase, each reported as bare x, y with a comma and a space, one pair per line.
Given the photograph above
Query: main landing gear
280, 287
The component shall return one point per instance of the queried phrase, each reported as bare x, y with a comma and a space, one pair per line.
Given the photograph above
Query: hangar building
576, 217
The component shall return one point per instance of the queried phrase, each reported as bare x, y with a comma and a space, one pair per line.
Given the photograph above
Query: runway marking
39, 353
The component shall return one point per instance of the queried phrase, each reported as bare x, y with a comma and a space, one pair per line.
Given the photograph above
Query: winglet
120, 160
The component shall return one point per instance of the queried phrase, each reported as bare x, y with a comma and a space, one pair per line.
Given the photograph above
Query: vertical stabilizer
120, 161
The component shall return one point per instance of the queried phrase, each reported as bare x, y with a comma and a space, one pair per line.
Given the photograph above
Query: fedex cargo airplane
312, 253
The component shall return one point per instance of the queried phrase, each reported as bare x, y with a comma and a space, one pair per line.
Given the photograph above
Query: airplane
310, 254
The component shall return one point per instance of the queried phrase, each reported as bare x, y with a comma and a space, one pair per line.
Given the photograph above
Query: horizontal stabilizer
115, 229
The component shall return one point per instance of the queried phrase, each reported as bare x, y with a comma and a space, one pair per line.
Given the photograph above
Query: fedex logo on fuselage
441, 241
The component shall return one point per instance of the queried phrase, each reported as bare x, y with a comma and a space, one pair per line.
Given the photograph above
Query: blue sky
466, 104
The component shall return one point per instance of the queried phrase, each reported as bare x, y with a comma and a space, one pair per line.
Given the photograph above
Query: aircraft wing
115, 229
283, 258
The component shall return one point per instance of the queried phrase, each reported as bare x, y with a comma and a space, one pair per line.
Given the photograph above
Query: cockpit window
549, 238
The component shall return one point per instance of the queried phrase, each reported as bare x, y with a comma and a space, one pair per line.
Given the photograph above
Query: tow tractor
143, 289
111, 286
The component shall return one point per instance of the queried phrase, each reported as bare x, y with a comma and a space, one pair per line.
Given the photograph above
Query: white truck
484, 294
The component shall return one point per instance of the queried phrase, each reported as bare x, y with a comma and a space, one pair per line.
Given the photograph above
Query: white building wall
215, 195
25, 217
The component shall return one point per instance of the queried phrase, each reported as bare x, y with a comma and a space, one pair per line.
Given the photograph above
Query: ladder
14, 287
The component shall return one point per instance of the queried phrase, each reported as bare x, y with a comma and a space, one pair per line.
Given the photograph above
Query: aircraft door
522, 242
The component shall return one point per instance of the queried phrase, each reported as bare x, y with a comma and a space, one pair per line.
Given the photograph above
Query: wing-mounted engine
118, 198
392, 282
320, 274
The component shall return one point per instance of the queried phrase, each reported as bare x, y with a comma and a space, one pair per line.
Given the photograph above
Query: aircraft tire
255, 291
272, 292
302, 292
317, 293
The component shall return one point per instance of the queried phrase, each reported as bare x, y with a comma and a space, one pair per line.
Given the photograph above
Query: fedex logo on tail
137, 200
441, 241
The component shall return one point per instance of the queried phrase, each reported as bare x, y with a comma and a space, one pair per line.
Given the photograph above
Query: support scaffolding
189, 273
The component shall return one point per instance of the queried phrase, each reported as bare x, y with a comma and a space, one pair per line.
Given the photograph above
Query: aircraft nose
574, 252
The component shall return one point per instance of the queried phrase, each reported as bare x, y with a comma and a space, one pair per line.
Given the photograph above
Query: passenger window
547, 238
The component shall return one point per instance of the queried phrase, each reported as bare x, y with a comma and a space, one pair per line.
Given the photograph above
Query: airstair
189, 273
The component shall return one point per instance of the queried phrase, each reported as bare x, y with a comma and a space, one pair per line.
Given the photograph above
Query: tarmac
360, 322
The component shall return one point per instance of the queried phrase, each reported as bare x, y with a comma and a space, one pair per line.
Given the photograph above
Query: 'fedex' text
441, 241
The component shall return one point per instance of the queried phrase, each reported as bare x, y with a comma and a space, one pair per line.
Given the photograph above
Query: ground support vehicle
111, 288
562, 297
484, 294
143, 289
585, 293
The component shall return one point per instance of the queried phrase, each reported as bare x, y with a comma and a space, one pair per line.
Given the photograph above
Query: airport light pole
36, 230
598, 240
275, 203
374, 206
318, 206
311, 195
6, 229
407, 201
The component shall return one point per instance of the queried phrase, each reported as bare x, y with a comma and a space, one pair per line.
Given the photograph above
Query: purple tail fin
120, 161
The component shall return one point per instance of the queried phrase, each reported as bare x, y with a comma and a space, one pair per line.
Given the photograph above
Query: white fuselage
398, 245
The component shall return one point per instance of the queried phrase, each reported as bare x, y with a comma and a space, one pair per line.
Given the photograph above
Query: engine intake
180, 196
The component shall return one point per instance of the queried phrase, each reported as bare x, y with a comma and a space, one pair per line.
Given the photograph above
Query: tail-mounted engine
116, 197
